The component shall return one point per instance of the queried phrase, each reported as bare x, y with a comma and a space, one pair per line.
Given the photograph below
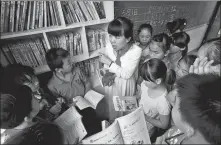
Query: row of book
68, 41
97, 38
26, 15
81, 11
89, 66
30, 52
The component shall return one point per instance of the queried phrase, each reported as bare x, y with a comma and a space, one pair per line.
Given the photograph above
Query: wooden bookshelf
80, 27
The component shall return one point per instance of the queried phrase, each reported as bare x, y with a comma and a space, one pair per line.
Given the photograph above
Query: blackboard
158, 13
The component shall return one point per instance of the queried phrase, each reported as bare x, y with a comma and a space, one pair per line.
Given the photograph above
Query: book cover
100, 73
127, 103
2, 16
12, 17
7, 12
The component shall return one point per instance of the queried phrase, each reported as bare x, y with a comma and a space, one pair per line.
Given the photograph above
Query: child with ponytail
156, 78
178, 48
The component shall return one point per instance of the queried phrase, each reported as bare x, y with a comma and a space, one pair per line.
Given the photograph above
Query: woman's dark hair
164, 40
121, 26
39, 134
154, 69
181, 40
145, 26
177, 24
54, 57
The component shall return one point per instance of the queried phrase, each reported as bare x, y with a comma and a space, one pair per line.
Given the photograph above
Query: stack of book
30, 52
97, 38
26, 15
68, 41
81, 11
89, 67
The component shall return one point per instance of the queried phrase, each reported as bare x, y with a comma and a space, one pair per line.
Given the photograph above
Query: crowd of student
179, 92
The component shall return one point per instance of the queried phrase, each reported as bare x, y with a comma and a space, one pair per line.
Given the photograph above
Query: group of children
155, 65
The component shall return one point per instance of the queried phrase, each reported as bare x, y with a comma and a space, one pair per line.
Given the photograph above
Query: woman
121, 58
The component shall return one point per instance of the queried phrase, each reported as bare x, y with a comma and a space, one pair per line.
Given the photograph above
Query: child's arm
162, 122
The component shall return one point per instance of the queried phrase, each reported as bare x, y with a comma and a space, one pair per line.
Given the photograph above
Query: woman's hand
202, 66
105, 59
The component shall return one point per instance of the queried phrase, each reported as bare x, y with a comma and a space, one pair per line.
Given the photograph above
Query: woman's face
182, 69
156, 51
144, 36
118, 42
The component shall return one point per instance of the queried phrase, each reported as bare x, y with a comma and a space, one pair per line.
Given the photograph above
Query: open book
91, 99
128, 103
101, 72
129, 129
71, 125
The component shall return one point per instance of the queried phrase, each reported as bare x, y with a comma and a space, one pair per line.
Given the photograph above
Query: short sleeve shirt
68, 90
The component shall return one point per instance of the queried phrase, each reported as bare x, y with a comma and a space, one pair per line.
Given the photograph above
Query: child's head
176, 25
145, 32
159, 46
154, 72
211, 50
59, 60
197, 108
180, 42
120, 32
183, 65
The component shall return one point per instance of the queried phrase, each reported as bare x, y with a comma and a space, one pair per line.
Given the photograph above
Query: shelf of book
36, 23
10, 35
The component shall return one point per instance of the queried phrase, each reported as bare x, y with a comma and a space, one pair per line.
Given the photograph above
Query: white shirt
154, 106
129, 61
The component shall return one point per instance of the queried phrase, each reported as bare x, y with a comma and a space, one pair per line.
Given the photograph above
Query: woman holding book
121, 57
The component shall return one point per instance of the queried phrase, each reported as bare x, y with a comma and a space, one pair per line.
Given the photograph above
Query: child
178, 48
183, 65
145, 32
176, 25
158, 48
153, 93
68, 82
181, 70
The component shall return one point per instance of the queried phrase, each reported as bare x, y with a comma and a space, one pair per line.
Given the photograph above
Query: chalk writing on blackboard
159, 13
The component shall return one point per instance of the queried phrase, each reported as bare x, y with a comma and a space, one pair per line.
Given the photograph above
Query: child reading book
156, 77
129, 129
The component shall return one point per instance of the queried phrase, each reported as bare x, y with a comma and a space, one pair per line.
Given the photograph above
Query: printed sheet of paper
111, 135
128, 103
93, 97
72, 126
133, 128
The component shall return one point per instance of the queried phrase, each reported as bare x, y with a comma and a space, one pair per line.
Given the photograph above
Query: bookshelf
62, 12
